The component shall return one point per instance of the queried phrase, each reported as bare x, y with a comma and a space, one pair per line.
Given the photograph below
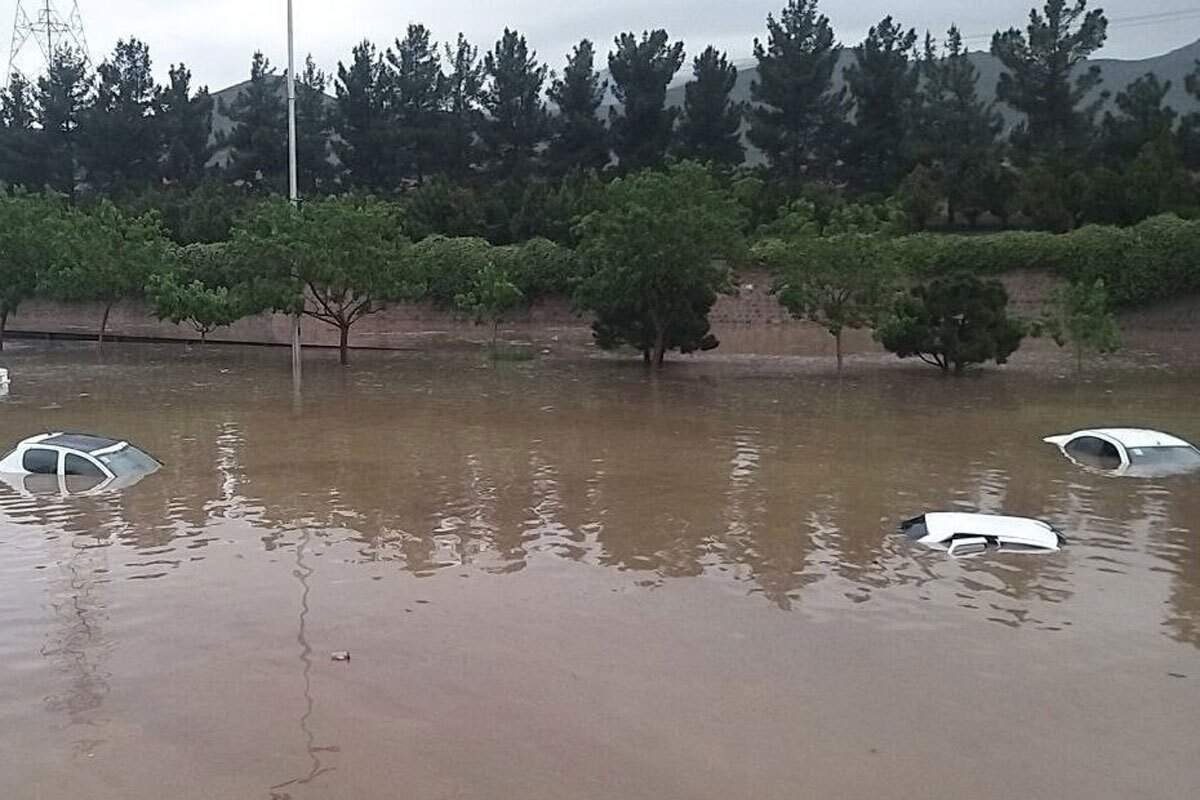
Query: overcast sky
216, 37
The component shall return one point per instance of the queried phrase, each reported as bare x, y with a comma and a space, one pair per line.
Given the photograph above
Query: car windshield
128, 461
1164, 456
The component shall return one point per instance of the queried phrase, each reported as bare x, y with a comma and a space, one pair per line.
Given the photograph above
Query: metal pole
293, 182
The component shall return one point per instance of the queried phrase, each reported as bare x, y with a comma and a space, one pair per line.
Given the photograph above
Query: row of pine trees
908, 117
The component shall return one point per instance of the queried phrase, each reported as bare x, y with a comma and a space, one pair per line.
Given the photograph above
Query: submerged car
75, 463
1128, 451
961, 534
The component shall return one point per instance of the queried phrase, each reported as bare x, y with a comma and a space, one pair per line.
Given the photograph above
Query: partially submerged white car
1128, 451
74, 463
961, 534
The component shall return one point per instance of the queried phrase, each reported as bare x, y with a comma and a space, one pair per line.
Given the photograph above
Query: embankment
751, 321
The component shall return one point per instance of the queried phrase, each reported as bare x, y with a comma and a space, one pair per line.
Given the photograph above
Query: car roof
79, 441
1137, 437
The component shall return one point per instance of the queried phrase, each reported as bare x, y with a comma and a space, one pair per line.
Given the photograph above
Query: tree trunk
104, 324
660, 346
344, 345
495, 334
646, 357
1078, 360
837, 338
3, 325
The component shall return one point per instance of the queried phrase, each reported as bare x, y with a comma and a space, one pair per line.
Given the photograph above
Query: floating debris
340, 655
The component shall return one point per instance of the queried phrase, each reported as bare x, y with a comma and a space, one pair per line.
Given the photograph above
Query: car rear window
129, 461
1164, 456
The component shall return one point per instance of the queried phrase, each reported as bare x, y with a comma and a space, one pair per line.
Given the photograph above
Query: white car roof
943, 525
1135, 437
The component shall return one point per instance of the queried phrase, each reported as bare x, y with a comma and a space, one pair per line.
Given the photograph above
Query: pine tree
417, 86
21, 158
314, 171
641, 71
882, 83
185, 127
461, 118
120, 144
1044, 80
1189, 128
258, 142
797, 119
579, 139
954, 132
518, 121
361, 121
710, 125
1141, 117
62, 96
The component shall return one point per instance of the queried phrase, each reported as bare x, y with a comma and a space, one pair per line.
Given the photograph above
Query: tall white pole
293, 182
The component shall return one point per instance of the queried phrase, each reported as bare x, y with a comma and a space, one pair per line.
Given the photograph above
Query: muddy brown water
562, 579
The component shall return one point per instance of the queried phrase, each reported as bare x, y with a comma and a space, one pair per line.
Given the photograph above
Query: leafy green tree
954, 132
364, 143
184, 121
919, 196
194, 290
1044, 78
1157, 181
1141, 117
120, 144
953, 322
314, 170
651, 250
335, 259
578, 139
257, 143
710, 125
444, 207
418, 89
104, 256
883, 85
841, 282
28, 228
462, 118
796, 118
1042, 196
518, 121
641, 70
1083, 318
61, 97
445, 266
492, 296
21, 158
202, 215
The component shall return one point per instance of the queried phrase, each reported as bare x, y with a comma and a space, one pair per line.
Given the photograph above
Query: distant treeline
497, 145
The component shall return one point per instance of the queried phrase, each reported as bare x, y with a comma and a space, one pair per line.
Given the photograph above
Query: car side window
78, 465
1085, 446
1094, 452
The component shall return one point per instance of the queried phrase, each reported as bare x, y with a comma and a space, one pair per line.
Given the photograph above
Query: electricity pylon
40, 30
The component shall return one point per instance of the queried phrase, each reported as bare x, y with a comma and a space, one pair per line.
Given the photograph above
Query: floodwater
564, 579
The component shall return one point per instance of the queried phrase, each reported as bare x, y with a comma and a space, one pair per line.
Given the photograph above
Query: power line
1133, 21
